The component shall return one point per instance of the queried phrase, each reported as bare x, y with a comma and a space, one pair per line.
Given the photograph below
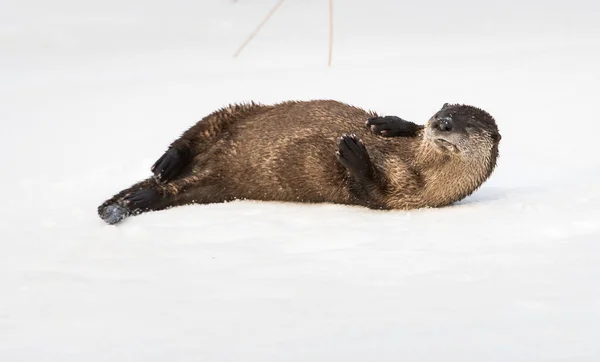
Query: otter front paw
392, 126
353, 155
169, 165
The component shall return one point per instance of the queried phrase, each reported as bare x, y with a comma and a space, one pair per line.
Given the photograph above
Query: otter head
468, 138
463, 130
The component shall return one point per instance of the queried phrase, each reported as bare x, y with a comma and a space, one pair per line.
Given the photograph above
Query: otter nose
443, 124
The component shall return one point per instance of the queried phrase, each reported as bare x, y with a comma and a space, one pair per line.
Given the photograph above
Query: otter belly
289, 154
293, 167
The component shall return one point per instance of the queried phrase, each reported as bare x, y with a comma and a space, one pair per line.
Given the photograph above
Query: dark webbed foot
353, 155
131, 204
170, 164
392, 126
142, 199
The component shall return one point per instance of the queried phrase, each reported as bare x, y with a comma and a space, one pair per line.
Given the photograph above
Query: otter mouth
444, 145
440, 140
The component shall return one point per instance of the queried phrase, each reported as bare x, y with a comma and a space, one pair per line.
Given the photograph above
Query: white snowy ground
91, 93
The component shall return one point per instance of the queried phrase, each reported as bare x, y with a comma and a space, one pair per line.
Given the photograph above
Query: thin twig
330, 31
258, 27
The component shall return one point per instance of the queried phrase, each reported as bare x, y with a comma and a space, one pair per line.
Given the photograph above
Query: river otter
318, 151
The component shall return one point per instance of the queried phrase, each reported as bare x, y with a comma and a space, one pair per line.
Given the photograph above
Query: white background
91, 94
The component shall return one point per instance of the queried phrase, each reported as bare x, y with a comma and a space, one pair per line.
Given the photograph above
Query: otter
318, 151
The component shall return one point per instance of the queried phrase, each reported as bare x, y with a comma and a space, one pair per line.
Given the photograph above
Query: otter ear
445, 105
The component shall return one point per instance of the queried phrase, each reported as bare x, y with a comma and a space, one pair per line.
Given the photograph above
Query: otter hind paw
353, 155
392, 126
141, 199
114, 213
169, 165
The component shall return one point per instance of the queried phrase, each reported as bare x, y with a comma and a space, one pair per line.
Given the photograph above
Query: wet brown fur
287, 152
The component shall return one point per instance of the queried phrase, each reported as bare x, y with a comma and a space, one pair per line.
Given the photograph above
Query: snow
93, 92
